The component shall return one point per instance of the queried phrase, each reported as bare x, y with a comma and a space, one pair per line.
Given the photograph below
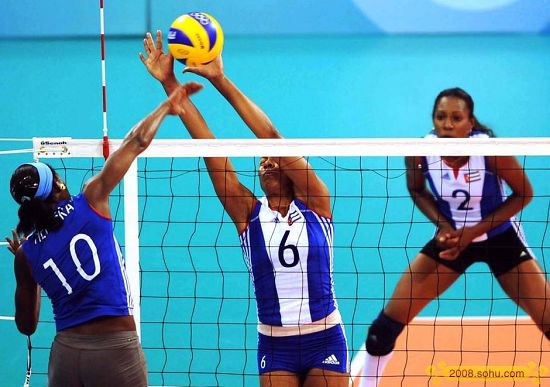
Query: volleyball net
196, 311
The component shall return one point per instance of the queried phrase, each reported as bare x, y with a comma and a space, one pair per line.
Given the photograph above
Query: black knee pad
382, 335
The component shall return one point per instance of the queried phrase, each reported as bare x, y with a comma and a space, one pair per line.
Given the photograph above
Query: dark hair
459, 93
34, 214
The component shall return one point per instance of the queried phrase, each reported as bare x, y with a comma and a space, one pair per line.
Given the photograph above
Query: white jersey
467, 194
290, 260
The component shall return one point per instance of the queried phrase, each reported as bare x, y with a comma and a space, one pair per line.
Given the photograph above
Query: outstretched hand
13, 244
209, 71
159, 64
177, 99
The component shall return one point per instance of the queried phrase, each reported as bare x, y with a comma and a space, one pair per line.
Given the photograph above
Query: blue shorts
326, 350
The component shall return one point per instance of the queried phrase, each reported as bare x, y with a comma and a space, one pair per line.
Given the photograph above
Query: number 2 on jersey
463, 206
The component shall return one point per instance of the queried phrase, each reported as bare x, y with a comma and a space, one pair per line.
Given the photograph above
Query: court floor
453, 352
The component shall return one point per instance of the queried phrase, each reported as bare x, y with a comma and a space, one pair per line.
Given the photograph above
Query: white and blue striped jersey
467, 194
290, 260
80, 266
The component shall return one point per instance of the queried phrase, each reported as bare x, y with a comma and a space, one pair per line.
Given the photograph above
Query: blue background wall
31, 18
316, 70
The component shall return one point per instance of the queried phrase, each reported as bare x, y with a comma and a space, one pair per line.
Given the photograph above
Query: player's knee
382, 335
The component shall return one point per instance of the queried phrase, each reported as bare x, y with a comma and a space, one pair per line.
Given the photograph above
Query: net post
131, 237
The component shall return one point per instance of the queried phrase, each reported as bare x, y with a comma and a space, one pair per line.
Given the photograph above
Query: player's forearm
141, 135
27, 312
252, 115
427, 205
194, 122
502, 214
170, 84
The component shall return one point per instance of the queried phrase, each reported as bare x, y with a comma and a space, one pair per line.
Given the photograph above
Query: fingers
159, 40
190, 69
450, 254
149, 44
150, 41
13, 244
146, 44
142, 58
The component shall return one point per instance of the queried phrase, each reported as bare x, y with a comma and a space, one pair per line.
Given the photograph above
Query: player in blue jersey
71, 252
475, 222
287, 241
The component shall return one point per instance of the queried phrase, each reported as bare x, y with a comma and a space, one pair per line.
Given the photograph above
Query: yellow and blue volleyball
195, 39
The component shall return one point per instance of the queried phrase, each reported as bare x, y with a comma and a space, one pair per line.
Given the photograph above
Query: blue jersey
290, 260
467, 194
80, 266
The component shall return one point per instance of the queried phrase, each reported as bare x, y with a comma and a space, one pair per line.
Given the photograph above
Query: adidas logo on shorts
331, 360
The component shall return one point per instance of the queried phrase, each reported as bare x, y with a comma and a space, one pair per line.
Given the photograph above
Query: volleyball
195, 39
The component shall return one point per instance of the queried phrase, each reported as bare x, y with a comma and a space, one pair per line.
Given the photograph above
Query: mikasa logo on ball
200, 17
171, 35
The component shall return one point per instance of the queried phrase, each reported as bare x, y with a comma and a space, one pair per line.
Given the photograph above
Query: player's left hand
159, 64
458, 240
13, 244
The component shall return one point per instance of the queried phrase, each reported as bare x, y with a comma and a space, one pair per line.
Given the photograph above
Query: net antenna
27, 382
103, 81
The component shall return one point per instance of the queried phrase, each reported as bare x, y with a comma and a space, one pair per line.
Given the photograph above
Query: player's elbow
522, 199
141, 142
526, 196
415, 193
137, 140
26, 326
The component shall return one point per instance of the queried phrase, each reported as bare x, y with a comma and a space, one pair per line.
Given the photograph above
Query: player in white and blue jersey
287, 241
475, 222
71, 252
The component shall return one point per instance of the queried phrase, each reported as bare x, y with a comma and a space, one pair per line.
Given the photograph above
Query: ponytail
483, 128
36, 214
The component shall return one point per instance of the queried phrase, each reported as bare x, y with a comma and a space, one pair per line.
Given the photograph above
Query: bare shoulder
502, 165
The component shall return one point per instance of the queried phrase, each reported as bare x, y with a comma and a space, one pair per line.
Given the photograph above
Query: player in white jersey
286, 238
71, 252
475, 222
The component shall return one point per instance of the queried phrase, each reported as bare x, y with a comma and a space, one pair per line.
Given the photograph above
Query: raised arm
99, 187
236, 199
308, 187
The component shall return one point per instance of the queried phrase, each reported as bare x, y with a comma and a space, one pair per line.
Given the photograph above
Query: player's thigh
423, 281
63, 366
116, 367
527, 285
317, 377
279, 379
